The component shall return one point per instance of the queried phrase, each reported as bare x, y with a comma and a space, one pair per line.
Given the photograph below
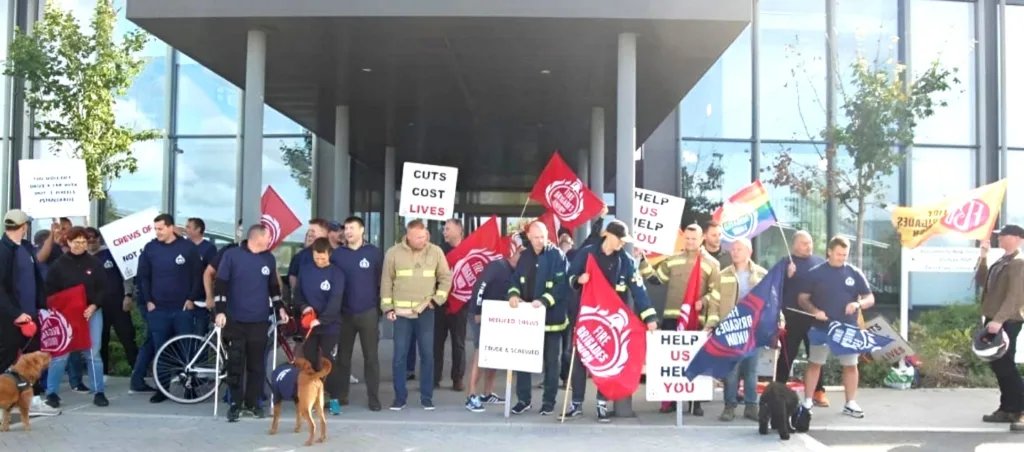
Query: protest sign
428, 191
668, 355
895, 351
53, 188
126, 237
656, 218
512, 338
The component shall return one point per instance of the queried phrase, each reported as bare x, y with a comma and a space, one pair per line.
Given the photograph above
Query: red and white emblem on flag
279, 220
470, 258
562, 192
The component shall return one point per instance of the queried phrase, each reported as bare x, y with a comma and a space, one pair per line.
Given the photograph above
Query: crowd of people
343, 288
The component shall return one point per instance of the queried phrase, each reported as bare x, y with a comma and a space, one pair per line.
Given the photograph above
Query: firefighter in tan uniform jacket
675, 272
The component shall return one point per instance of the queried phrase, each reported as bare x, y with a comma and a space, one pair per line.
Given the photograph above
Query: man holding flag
619, 269
692, 277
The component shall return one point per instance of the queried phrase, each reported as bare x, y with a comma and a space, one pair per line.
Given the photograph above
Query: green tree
299, 158
702, 187
882, 113
73, 79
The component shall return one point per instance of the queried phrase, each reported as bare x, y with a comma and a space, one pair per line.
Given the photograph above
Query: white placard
126, 237
53, 188
897, 350
656, 218
428, 191
766, 359
512, 339
668, 354
958, 259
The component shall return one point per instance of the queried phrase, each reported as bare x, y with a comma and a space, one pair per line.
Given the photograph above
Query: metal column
831, 210
755, 95
596, 176
389, 197
583, 171
251, 182
342, 165
625, 144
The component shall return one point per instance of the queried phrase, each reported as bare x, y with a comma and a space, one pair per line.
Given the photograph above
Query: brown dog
16, 387
308, 394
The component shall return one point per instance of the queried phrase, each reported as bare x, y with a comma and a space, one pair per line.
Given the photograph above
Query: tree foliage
299, 159
73, 79
700, 187
881, 114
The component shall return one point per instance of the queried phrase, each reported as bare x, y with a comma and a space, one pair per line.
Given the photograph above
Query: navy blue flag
753, 323
846, 339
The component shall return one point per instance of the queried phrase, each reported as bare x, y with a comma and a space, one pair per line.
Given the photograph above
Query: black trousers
1011, 385
247, 347
366, 326
797, 326
322, 345
454, 326
114, 316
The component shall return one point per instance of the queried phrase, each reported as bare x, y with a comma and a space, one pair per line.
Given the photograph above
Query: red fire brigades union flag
63, 326
279, 220
470, 258
562, 192
550, 220
611, 341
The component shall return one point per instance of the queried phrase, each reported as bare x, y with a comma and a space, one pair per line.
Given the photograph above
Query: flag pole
568, 383
508, 393
216, 375
785, 242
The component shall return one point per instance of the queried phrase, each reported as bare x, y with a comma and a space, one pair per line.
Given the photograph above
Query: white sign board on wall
53, 188
428, 191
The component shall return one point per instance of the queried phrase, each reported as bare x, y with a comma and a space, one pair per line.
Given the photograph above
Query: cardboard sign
126, 237
766, 359
54, 188
668, 354
428, 191
656, 218
512, 339
954, 259
896, 351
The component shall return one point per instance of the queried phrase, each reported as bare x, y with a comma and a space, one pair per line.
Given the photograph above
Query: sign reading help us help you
126, 237
512, 338
668, 354
428, 191
54, 188
656, 218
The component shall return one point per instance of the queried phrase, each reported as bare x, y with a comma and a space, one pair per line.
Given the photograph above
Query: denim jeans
165, 324
422, 329
146, 353
200, 321
410, 363
746, 368
74, 368
552, 366
94, 362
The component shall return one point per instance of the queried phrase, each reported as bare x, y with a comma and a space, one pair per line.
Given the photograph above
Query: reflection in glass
864, 29
1015, 189
944, 31
288, 180
719, 106
206, 185
794, 211
1015, 74
711, 172
792, 72
207, 104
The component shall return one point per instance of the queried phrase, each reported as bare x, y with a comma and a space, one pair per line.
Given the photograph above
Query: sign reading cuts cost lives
512, 338
54, 188
126, 238
428, 191
668, 354
656, 218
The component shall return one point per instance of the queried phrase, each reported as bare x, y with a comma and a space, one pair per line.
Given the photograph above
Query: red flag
610, 340
468, 260
551, 221
689, 316
63, 327
277, 217
562, 192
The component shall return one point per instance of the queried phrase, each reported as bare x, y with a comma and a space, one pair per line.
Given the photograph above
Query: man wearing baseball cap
1002, 309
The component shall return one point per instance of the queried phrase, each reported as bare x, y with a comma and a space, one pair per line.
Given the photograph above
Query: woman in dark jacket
73, 268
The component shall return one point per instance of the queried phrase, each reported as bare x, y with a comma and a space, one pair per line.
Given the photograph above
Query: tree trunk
860, 231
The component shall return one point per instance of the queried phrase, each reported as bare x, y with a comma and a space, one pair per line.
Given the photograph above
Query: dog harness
285, 381
19, 383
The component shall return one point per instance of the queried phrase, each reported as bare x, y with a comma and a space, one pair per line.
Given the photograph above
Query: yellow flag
971, 215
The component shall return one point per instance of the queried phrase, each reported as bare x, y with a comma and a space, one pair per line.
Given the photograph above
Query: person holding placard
117, 302
619, 269
540, 280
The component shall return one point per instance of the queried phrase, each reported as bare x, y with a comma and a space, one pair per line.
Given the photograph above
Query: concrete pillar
389, 197
596, 176
583, 171
831, 110
250, 184
323, 179
341, 194
625, 144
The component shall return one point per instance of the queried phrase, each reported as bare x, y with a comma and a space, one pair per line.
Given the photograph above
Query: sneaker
457, 386
493, 399
353, 380
546, 409
474, 404
397, 406
728, 414
853, 410
427, 404
998, 417
750, 412
234, 413
141, 389
256, 412
410, 376
603, 414
39, 408
521, 408
334, 407
158, 397
696, 409
100, 400
575, 411
80, 388
667, 407
1018, 424
374, 404
52, 401
820, 399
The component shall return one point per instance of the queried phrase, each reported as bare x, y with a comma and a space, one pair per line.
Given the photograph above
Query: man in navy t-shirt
801, 260
835, 291
195, 230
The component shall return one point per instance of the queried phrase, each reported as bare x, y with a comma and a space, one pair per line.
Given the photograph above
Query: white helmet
990, 347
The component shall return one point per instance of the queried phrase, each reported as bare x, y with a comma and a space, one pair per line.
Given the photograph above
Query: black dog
780, 409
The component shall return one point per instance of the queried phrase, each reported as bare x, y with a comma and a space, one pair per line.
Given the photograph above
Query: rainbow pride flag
745, 214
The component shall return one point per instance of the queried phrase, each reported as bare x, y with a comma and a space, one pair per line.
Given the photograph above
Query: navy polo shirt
832, 288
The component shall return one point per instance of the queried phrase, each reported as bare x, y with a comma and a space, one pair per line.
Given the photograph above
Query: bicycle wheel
181, 381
